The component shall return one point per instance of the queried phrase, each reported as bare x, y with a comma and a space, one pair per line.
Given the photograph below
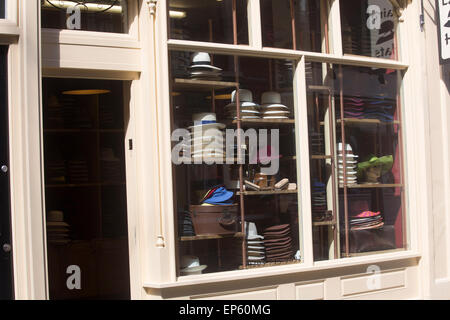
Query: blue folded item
220, 196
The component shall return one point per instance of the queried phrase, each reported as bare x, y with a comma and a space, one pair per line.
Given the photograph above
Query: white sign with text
444, 32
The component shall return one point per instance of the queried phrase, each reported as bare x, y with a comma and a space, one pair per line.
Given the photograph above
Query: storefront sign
444, 30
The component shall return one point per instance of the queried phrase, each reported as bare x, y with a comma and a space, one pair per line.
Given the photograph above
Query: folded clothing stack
376, 107
316, 140
57, 230
366, 220
318, 201
278, 242
78, 171
186, 228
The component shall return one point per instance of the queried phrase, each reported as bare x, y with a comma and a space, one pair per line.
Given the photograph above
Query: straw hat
190, 265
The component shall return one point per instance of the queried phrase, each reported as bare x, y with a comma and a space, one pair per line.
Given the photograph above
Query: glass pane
235, 191
356, 160
293, 24
91, 15
369, 28
209, 20
85, 189
2, 9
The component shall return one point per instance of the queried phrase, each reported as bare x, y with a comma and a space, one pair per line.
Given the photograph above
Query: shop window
2, 9
357, 190
369, 28
294, 24
209, 20
93, 15
236, 191
85, 188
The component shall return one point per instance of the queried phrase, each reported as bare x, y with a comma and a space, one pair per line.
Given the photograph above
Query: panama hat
385, 162
190, 265
202, 60
205, 120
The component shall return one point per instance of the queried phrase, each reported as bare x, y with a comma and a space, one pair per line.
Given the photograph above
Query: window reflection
209, 20
369, 28
92, 15
354, 117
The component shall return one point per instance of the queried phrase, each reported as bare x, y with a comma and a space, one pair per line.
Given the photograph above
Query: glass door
85, 188
6, 283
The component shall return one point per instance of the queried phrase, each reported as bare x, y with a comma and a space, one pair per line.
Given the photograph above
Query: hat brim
208, 125
207, 66
193, 269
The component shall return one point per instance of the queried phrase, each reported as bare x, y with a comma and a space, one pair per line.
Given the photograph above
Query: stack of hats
309, 72
319, 200
278, 242
218, 196
186, 228
190, 265
110, 165
207, 137
316, 141
57, 230
366, 220
350, 164
272, 108
284, 72
54, 114
78, 171
249, 109
201, 68
255, 249
56, 171
180, 62
106, 116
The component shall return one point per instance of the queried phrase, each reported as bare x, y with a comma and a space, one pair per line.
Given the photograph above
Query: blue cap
220, 196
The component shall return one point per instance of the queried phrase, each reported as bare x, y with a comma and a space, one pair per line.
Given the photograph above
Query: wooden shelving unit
267, 192
201, 85
371, 185
212, 237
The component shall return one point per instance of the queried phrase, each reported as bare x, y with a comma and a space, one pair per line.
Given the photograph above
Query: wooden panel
368, 283
310, 291
267, 294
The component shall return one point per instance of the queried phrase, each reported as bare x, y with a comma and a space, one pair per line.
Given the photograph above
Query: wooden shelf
352, 121
202, 85
319, 88
321, 157
267, 192
214, 160
212, 237
270, 264
84, 130
372, 185
323, 223
264, 122
84, 185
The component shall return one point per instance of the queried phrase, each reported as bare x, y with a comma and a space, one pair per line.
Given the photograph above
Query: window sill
288, 269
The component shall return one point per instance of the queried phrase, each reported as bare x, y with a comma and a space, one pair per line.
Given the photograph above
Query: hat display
271, 106
190, 265
383, 164
319, 201
350, 164
218, 195
57, 230
255, 248
201, 68
207, 136
279, 244
248, 108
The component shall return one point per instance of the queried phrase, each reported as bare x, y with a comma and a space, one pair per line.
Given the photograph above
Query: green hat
385, 162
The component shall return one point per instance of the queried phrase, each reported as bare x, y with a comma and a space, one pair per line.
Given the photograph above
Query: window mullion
254, 24
335, 28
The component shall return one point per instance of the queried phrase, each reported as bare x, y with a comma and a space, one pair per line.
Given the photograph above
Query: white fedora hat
191, 265
205, 120
202, 60
252, 232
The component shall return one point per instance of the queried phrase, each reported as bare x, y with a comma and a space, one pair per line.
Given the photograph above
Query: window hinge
152, 6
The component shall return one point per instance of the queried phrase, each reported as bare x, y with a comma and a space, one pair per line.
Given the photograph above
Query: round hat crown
244, 96
199, 117
201, 57
189, 262
271, 97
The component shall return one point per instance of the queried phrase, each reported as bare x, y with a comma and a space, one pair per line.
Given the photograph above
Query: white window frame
413, 187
